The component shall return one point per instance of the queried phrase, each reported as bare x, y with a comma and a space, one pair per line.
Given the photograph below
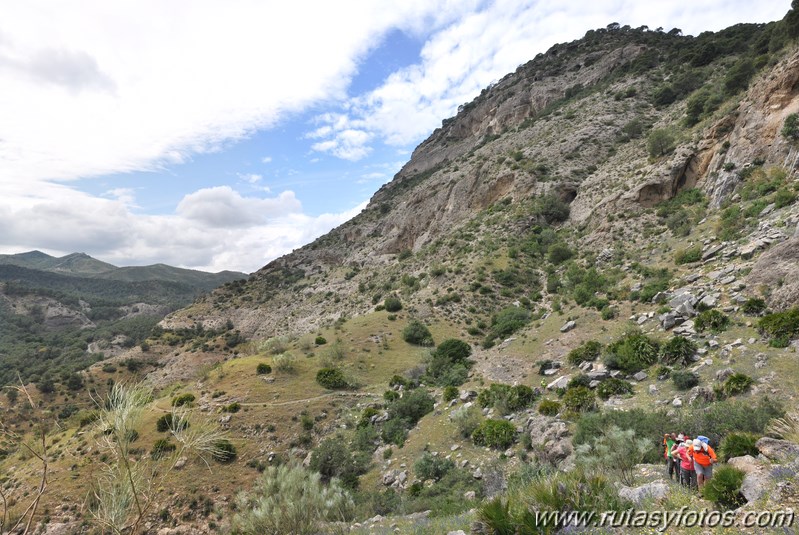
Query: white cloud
211, 229
266, 159
222, 207
484, 45
91, 90
250, 178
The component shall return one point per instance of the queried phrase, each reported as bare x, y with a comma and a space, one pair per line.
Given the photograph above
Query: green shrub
232, 407
391, 395
289, 498
631, 353
589, 351
223, 451
551, 209
548, 407
334, 458
263, 368
727, 416
684, 380
412, 406
183, 399
559, 253
724, 488
784, 197
494, 434
331, 378
466, 420
613, 387
450, 393
449, 364
579, 399
616, 449
678, 351
392, 304
711, 320
689, 255
780, 326
284, 362
790, 128
506, 398
508, 321
738, 445
754, 306
645, 424
661, 141
737, 383
320, 340
164, 423
430, 467
161, 448
417, 333
580, 379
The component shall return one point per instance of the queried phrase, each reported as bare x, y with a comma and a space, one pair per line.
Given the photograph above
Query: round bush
724, 488
429, 467
737, 383
549, 407
320, 340
684, 380
754, 306
331, 378
589, 351
737, 445
711, 320
166, 422
494, 434
450, 393
613, 387
392, 304
183, 399
263, 368
579, 399
224, 451
679, 350
417, 333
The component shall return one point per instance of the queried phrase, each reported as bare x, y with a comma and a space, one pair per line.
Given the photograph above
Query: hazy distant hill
81, 264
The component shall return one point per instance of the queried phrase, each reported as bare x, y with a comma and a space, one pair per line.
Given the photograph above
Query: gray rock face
777, 450
656, 490
549, 438
778, 269
756, 481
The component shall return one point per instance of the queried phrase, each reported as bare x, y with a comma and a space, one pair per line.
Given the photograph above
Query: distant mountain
81, 264
75, 263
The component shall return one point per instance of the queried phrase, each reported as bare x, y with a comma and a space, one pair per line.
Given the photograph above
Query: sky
221, 135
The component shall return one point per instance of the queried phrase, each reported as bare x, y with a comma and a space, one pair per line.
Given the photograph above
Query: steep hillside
574, 124
596, 251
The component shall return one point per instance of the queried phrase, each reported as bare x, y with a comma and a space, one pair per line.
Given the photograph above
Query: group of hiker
689, 461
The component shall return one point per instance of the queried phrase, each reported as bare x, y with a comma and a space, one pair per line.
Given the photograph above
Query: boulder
712, 251
568, 326
656, 490
549, 438
777, 450
756, 481
722, 375
560, 382
640, 376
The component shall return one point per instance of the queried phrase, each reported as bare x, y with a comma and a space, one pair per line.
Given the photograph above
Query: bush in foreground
724, 488
288, 499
